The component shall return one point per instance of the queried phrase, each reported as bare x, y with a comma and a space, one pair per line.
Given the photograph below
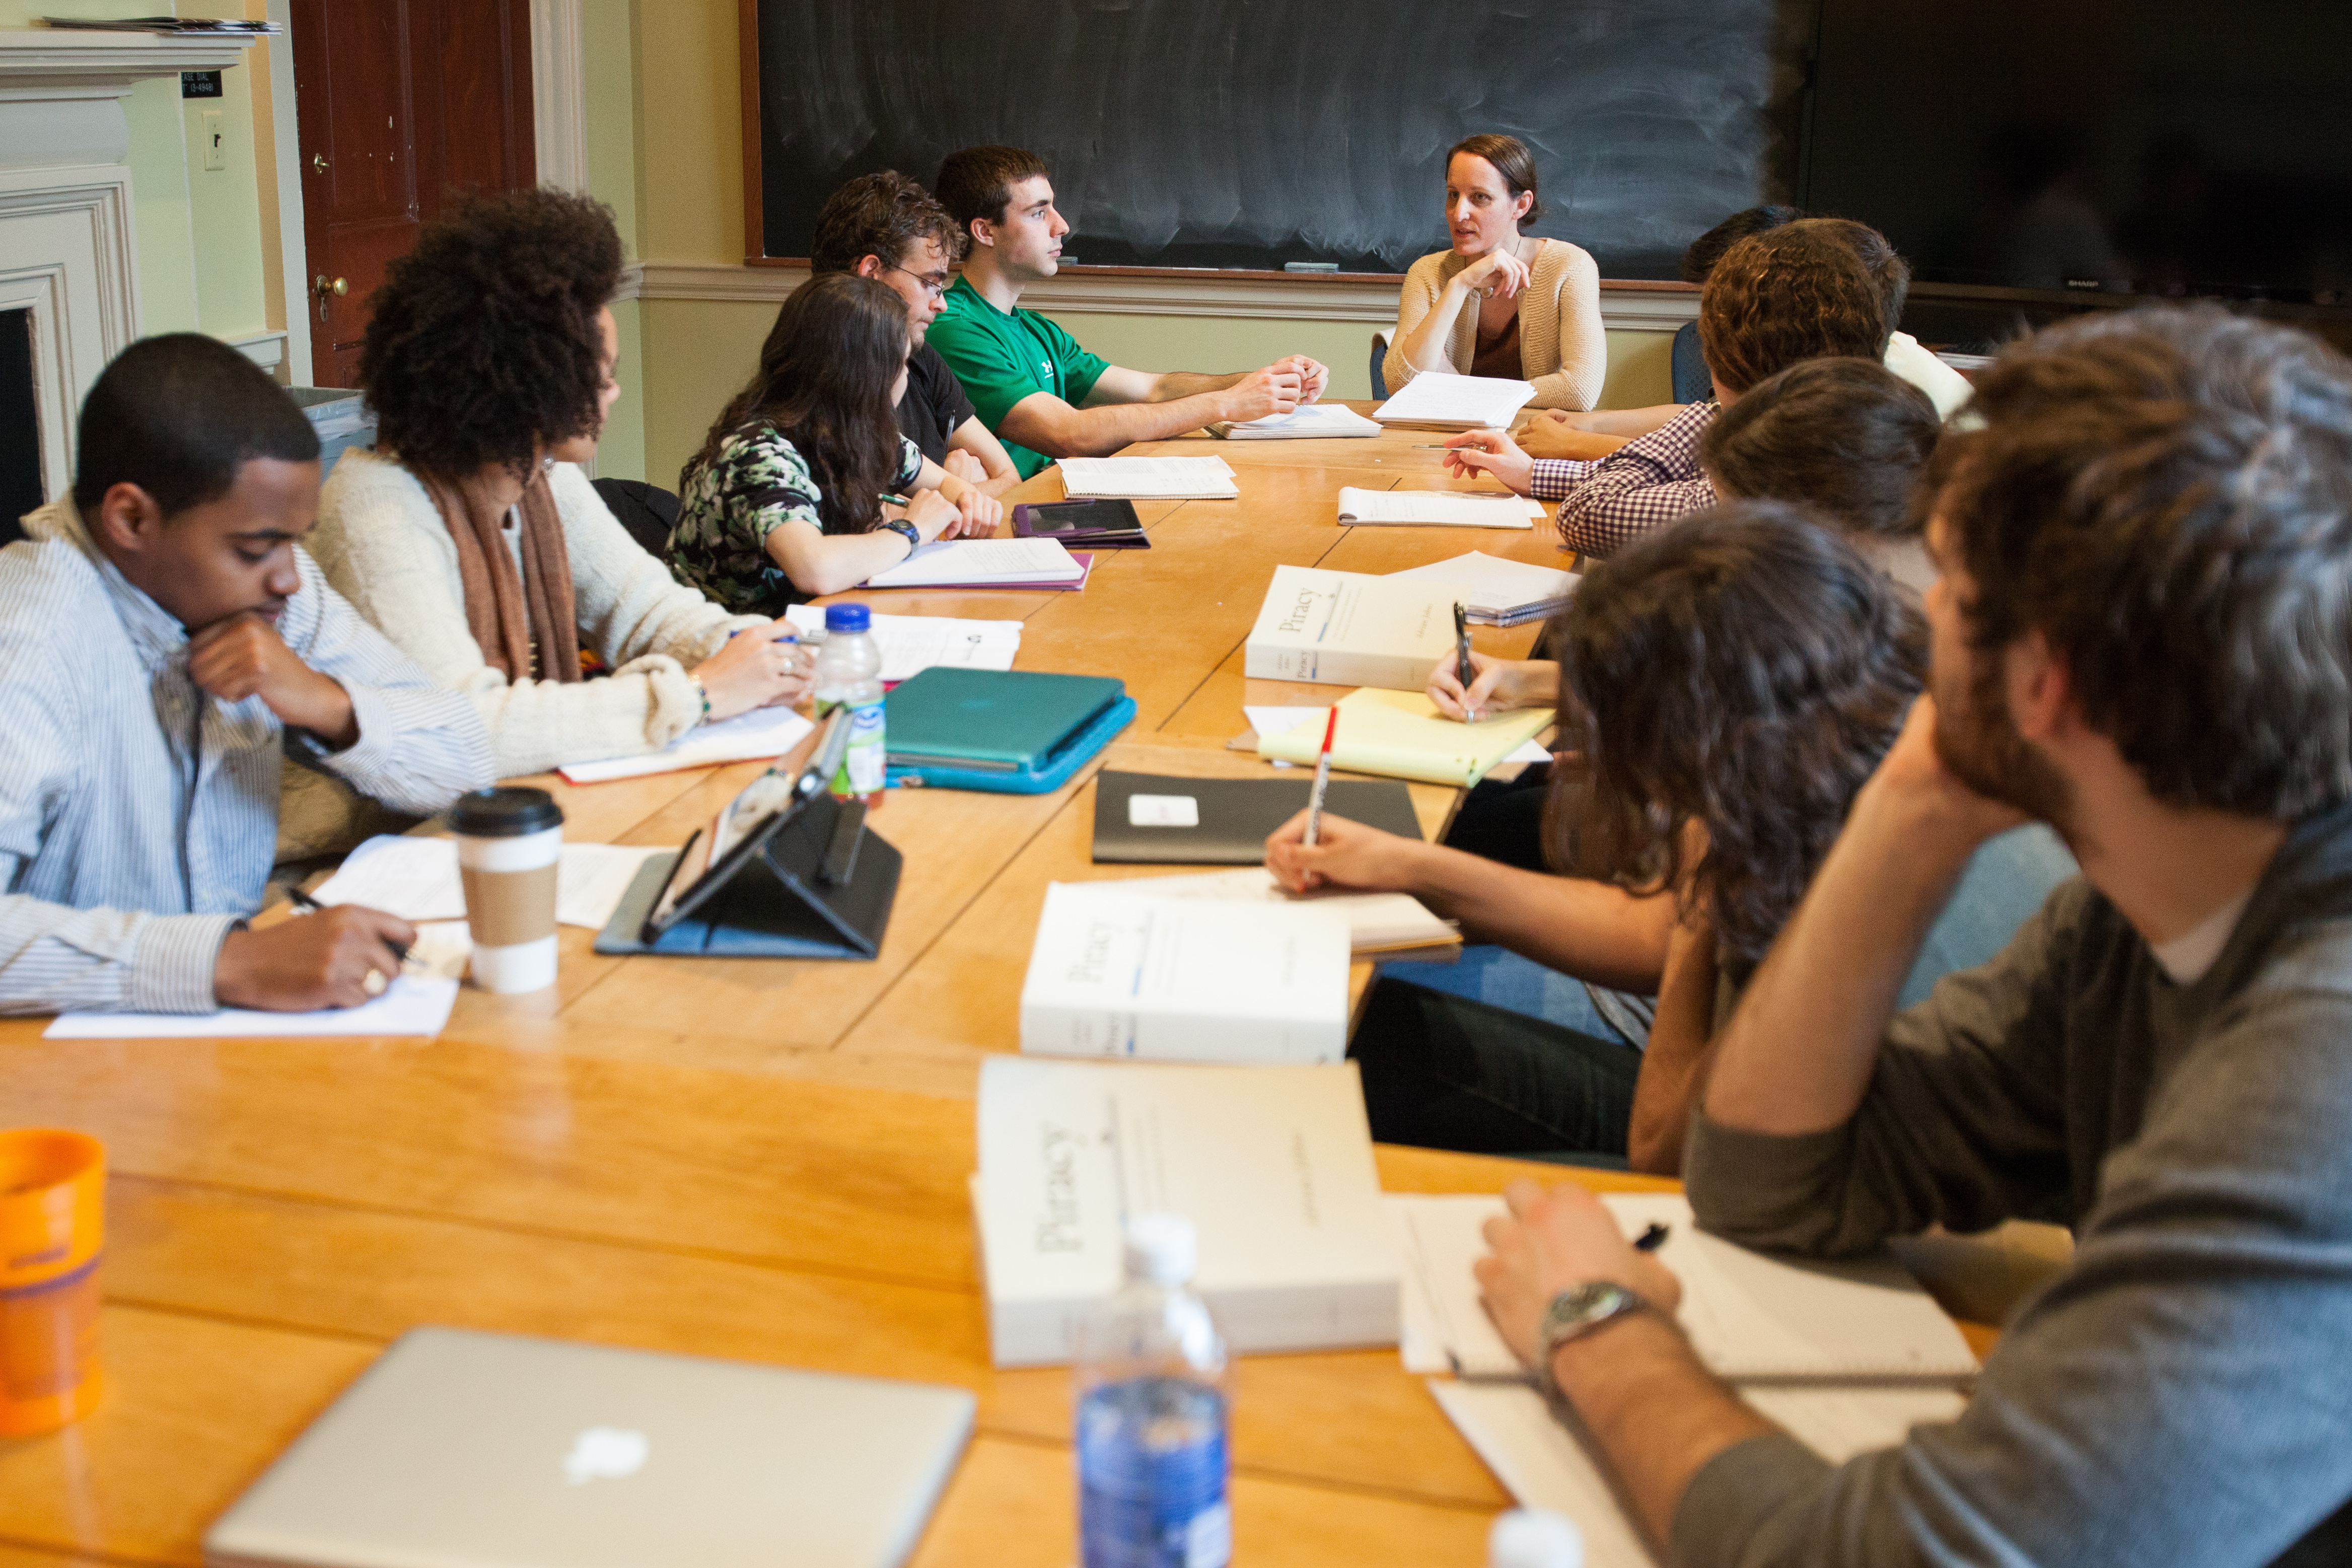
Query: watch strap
1578, 1312
908, 531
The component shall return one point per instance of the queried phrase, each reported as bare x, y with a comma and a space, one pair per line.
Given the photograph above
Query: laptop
992, 721
459, 1450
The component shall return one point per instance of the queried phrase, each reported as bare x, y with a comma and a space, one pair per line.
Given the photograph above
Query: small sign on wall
200, 84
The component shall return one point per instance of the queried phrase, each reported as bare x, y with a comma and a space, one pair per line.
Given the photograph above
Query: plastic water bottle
849, 674
1152, 1414
1531, 1537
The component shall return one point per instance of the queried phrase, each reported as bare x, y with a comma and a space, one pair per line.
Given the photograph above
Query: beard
1976, 737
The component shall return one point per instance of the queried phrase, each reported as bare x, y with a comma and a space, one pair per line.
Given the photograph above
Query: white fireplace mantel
66, 239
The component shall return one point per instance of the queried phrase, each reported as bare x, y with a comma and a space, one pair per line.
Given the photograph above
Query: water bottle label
1149, 1496
864, 762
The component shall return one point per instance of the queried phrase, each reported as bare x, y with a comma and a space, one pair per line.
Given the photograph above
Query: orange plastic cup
52, 1236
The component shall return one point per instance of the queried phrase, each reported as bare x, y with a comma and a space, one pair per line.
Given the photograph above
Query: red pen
1322, 777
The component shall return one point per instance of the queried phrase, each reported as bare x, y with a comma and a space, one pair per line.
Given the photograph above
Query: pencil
310, 906
1322, 778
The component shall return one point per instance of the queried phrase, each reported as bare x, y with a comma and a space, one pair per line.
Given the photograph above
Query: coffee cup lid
506, 812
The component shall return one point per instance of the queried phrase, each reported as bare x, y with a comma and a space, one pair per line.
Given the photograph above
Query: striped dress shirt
138, 814
1608, 502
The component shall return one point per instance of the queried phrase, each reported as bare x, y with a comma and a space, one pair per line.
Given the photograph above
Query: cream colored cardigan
384, 546
1562, 346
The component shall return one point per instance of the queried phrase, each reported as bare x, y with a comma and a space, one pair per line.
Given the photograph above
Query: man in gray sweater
2143, 635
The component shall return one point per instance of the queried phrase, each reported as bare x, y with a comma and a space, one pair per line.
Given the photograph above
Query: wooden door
402, 106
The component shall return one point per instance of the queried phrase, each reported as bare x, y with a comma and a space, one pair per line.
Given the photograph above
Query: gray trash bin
341, 418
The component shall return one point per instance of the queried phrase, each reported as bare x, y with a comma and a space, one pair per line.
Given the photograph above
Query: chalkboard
1247, 134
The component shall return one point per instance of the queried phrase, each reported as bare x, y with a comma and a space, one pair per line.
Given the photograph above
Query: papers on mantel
748, 737
1502, 593
912, 644
1748, 1316
1312, 421
1377, 922
409, 1005
1282, 721
1435, 400
985, 563
1149, 478
417, 879
1440, 509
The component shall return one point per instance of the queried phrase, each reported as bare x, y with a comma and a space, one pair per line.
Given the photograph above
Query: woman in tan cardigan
1501, 303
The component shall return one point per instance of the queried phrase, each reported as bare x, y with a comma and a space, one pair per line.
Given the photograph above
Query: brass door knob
322, 286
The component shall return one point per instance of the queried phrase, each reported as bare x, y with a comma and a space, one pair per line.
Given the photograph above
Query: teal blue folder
1015, 730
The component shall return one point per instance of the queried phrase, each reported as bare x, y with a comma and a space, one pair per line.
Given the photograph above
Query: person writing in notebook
164, 642
1792, 293
1044, 396
1501, 303
804, 486
886, 227
2142, 636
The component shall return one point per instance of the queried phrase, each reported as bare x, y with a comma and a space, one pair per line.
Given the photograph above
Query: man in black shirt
886, 227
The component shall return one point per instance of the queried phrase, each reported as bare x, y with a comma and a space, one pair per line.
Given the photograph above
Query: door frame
558, 109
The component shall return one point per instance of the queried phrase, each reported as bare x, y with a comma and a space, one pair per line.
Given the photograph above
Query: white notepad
1149, 478
1377, 922
1311, 421
410, 1005
998, 563
913, 643
1750, 1316
417, 879
1500, 589
748, 737
1437, 509
1435, 400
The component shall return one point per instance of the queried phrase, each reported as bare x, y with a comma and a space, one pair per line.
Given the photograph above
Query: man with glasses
1044, 396
886, 227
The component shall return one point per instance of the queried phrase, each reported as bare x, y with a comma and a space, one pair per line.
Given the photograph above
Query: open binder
791, 872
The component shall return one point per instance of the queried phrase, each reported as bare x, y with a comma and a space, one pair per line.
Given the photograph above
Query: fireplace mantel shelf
45, 60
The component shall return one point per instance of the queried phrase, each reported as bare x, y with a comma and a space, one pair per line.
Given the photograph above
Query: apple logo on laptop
605, 1453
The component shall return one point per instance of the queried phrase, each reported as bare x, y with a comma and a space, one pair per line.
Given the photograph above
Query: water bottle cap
1162, 1248
1531, 1537
848, 618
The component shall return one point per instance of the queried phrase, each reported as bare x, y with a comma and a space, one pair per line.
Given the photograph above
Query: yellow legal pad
1402, 734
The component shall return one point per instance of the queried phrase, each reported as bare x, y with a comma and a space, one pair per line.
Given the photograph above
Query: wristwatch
1575, 1312
914, 535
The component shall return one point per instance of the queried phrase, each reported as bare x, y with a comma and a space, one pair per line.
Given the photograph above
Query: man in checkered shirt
1792, 293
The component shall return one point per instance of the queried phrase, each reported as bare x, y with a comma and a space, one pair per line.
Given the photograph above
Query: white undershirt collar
2186, 957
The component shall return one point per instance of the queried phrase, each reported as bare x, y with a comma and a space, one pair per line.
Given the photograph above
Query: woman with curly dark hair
469, 534
786, 501
1731, 682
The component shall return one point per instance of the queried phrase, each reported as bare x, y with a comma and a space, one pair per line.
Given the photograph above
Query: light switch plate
215, 123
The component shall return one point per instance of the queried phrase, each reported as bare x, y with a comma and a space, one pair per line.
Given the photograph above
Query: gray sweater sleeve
2174, 1396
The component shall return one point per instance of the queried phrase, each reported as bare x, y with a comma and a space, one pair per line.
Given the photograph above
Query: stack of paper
1309, 422
1272, 1164
1117, 974
1377, 922
912, 644
761, 734
1502, 593
1155, 479
986, 564
1402, 735
409, 1005
1437, 509
1348, 628
1435, 400
417, 879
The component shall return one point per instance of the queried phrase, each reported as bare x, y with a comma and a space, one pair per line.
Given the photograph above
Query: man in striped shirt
163, 641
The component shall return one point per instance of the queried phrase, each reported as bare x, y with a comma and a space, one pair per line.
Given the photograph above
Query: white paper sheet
417, 879
912, 644
1155, 479
1438, 509
1499, 586
748, 737
410, 1005
1271, 720
1308, 421
1436, 398
1002, 562
1376, 921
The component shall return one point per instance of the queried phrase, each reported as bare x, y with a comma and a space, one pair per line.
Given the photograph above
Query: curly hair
2166, 496
1847, 435
483, 344
1743, 670
1791, 293
881, 215
824, 383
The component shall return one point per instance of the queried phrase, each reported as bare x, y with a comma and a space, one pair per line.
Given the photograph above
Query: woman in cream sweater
471, 537
1501, 303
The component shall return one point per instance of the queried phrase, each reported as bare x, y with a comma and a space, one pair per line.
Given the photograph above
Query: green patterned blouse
758, 482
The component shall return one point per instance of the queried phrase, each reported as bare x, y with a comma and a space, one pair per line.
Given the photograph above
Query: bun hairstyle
1511, 159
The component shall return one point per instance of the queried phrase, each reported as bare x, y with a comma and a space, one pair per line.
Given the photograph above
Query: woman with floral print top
790, 497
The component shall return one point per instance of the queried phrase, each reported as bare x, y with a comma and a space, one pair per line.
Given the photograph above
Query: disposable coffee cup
52, 1237
509, 842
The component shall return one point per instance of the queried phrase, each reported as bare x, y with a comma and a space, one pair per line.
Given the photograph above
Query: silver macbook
459, 1450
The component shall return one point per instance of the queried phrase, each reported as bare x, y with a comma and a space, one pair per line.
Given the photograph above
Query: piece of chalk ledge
1311, 266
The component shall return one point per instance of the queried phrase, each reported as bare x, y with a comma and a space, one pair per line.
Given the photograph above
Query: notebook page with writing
1005, 562
1751, 1316
1439, 509
1308, 422
1155, 479
1376, 921
1498, 586
1435, 400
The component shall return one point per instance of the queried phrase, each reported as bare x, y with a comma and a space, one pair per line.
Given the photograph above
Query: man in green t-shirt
1044, 396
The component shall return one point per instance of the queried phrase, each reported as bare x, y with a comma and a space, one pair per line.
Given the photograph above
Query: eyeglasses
935, 284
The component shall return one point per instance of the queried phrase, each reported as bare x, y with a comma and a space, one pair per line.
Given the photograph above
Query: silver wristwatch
1575, 1312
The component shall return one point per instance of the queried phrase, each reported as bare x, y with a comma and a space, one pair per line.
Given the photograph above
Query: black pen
310, 906
1463, 672
1651, 1239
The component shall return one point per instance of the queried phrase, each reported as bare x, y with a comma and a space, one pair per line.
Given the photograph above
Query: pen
1322, 779
1462, 669
1651, 1239
310, 906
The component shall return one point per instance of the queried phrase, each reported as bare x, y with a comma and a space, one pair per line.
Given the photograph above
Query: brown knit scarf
511, 616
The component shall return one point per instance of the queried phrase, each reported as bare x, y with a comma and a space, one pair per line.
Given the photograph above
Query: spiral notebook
1751, 1317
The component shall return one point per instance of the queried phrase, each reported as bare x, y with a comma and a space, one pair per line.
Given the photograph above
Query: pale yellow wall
610, 69
691, 149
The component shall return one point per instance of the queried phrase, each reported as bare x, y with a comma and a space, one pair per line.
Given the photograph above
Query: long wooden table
761, 1160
